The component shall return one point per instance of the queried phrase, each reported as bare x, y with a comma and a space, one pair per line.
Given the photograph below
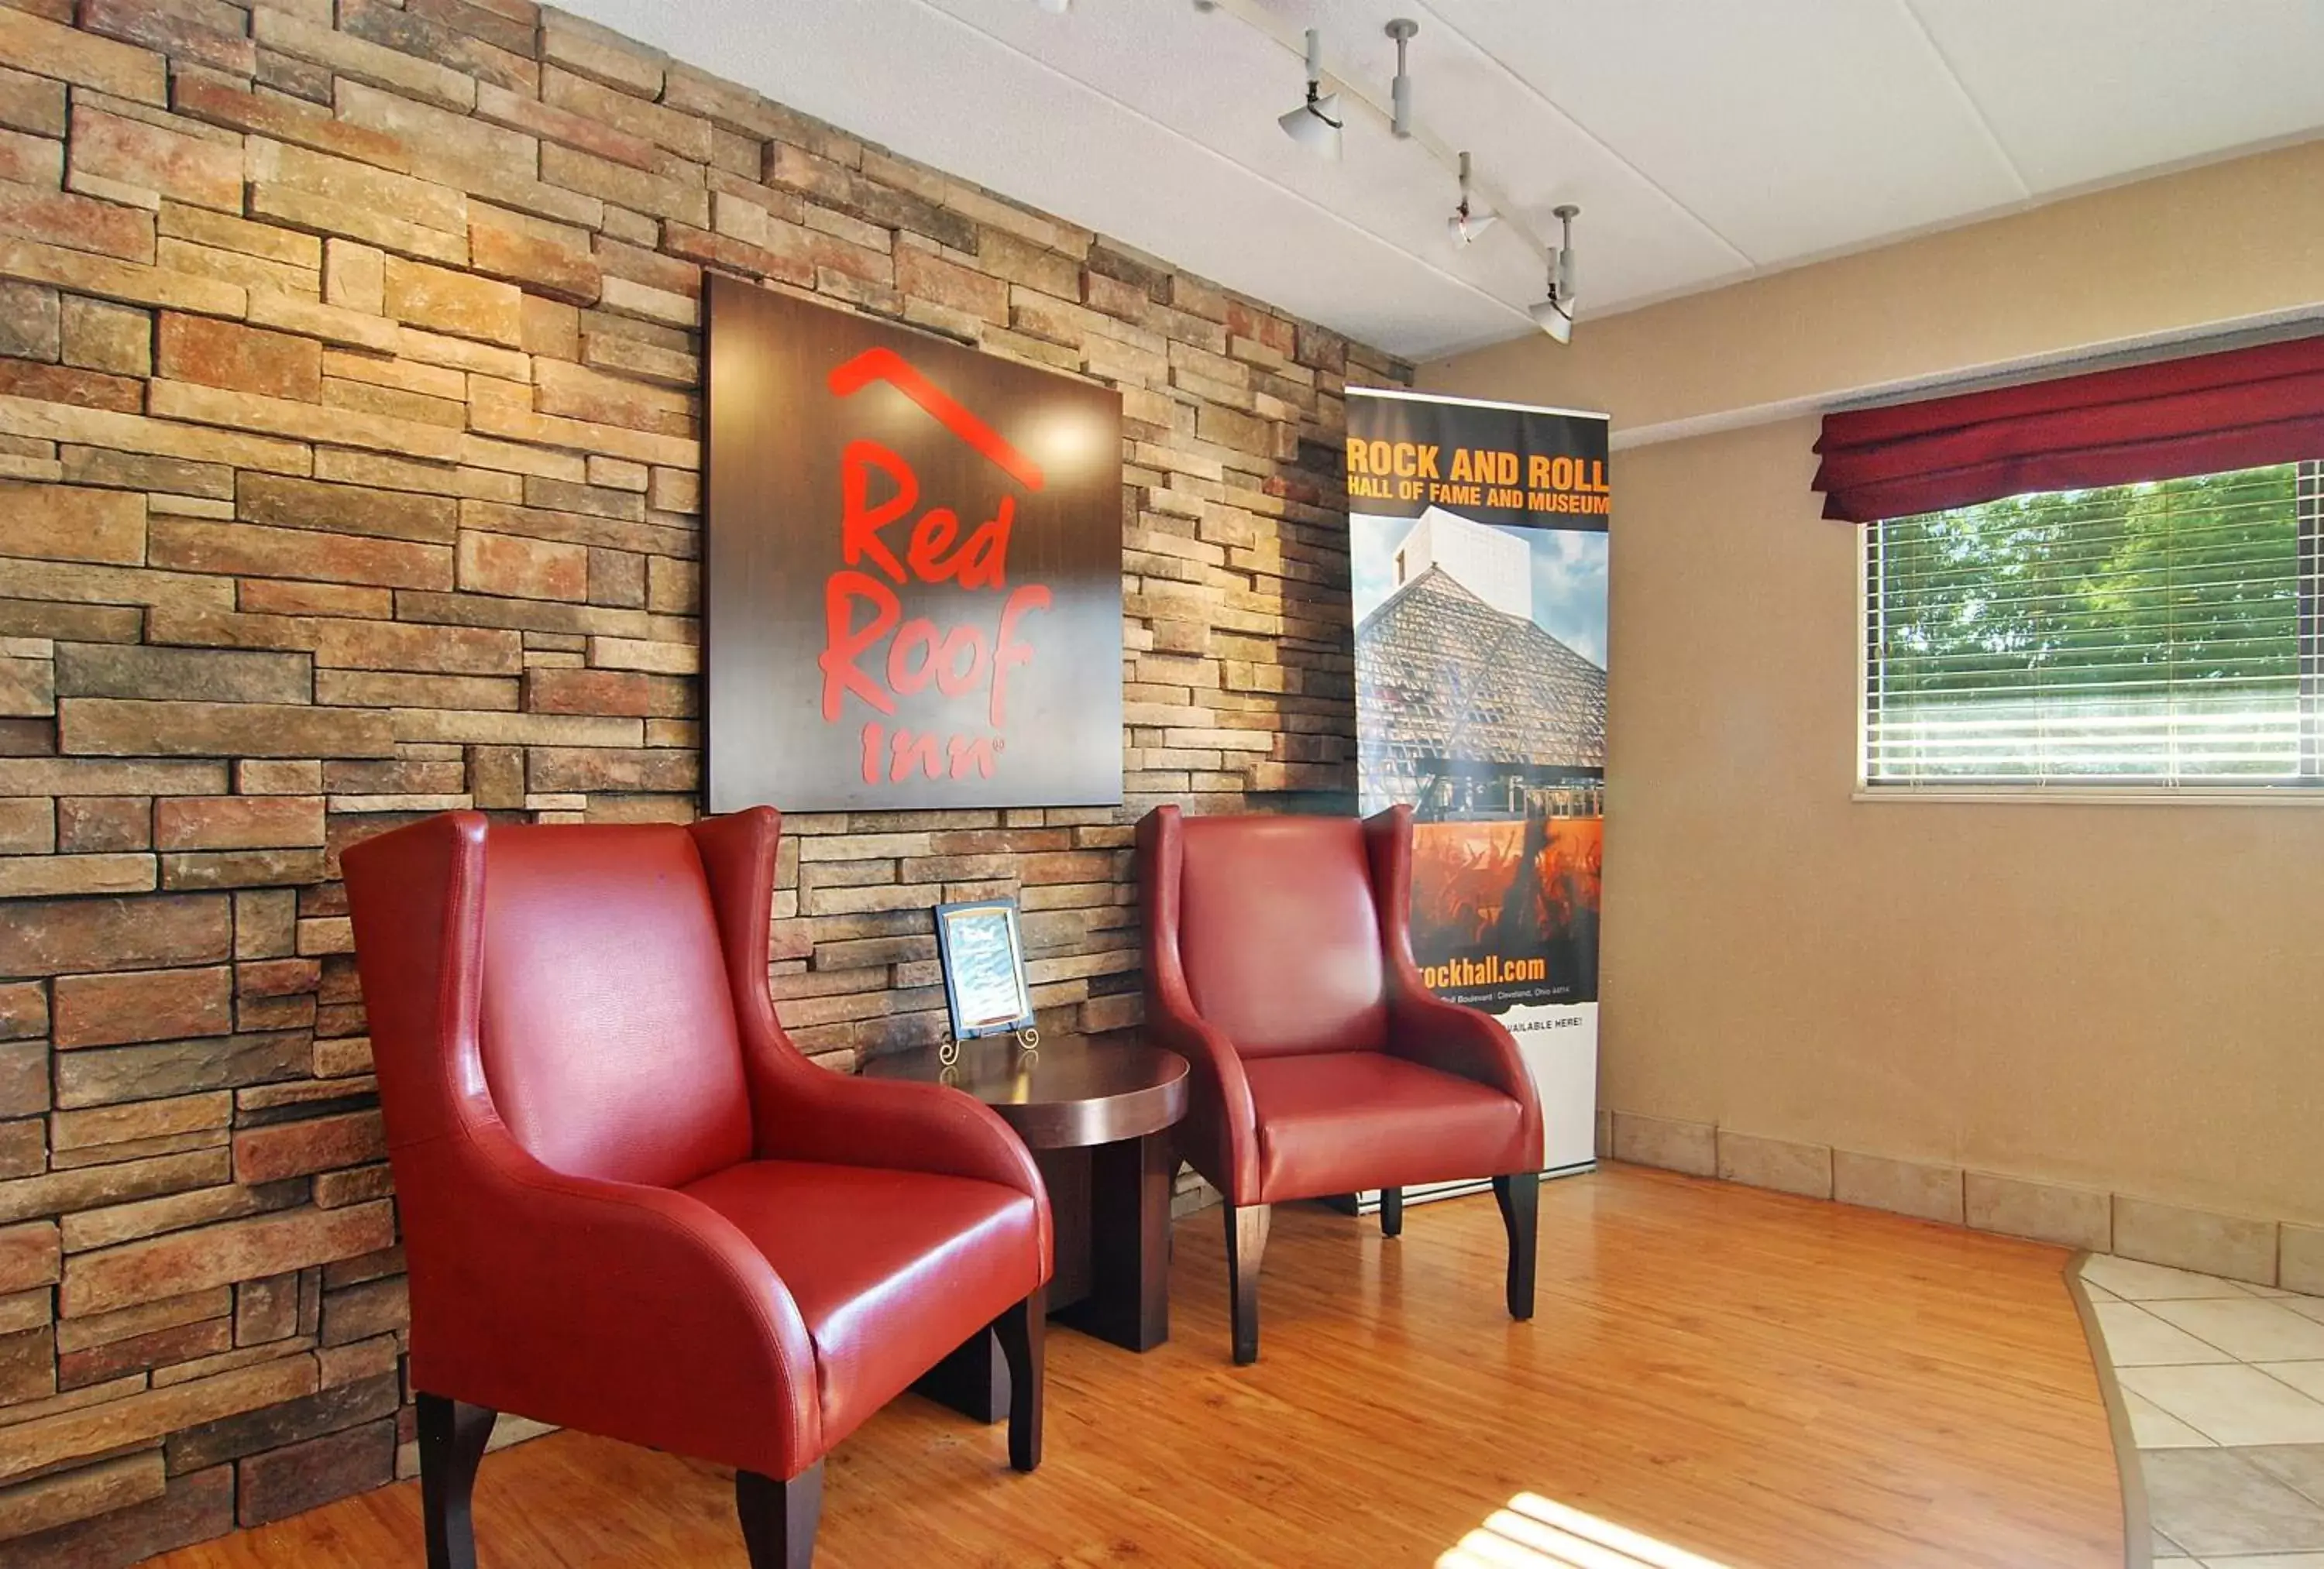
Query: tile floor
2225, 1383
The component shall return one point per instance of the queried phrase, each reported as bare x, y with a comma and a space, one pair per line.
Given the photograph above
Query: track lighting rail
1359, 96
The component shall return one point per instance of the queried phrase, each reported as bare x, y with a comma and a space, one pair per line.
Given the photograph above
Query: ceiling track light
1316, 124
1472, 217
1399, 122
1554, 315
1055, 7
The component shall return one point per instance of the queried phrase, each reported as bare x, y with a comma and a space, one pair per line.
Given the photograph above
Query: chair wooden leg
1391, 1212
1022, 1332
780, 1518
1519, 1197
1246, 1245
452, 1438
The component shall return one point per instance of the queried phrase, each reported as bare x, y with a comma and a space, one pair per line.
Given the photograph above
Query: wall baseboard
2265, 1252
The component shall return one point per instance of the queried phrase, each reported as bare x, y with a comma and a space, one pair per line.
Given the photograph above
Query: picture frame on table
982, 953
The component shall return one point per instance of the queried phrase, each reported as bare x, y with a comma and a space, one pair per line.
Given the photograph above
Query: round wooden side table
1096, 1113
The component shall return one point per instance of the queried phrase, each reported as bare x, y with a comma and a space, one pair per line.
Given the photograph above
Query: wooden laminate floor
1716, 1376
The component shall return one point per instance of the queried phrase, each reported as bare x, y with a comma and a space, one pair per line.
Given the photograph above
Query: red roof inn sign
913, 575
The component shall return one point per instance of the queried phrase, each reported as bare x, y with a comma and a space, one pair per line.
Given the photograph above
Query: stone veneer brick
348, 473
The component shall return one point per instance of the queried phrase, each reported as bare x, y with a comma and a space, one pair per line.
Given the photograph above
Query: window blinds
2161, 633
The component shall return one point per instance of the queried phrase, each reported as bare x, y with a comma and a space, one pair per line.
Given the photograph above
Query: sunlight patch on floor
1539, 1533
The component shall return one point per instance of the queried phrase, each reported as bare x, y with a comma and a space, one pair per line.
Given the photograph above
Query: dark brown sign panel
913, 573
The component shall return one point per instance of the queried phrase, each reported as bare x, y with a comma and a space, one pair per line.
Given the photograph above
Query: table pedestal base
1110, 1206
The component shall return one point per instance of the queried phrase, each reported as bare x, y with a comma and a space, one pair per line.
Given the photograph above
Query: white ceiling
1705, 140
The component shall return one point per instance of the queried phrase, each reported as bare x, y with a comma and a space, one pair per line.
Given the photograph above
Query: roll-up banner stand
1478, 535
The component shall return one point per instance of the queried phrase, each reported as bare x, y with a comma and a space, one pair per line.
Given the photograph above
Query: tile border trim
2137, 1520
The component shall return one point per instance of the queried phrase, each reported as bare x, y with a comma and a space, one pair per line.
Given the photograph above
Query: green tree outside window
2146, 633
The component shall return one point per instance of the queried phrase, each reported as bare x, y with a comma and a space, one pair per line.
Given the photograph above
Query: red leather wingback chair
630, 1206
1278, 962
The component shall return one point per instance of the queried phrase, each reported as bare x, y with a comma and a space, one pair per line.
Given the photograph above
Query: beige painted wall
2120, 997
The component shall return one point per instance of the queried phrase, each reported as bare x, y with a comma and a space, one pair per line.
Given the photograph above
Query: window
2160, 634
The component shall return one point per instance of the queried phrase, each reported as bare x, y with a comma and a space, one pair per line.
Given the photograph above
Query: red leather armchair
630, 1206
1278, 962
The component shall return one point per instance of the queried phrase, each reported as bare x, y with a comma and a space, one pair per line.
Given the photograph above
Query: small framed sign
983, 968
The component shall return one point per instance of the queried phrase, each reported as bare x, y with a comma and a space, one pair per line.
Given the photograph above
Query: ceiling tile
1792, 127
1636, 241
937, 88
1704, 140
2084, 91
1224, 102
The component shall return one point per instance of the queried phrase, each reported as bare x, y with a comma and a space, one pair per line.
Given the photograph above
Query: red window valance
2235, 409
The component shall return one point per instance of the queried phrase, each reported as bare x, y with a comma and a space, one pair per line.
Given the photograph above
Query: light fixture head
1553, 318
1554, 315
1315, 124
1055, 7
1472, 217
1400, 90
1468, 223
